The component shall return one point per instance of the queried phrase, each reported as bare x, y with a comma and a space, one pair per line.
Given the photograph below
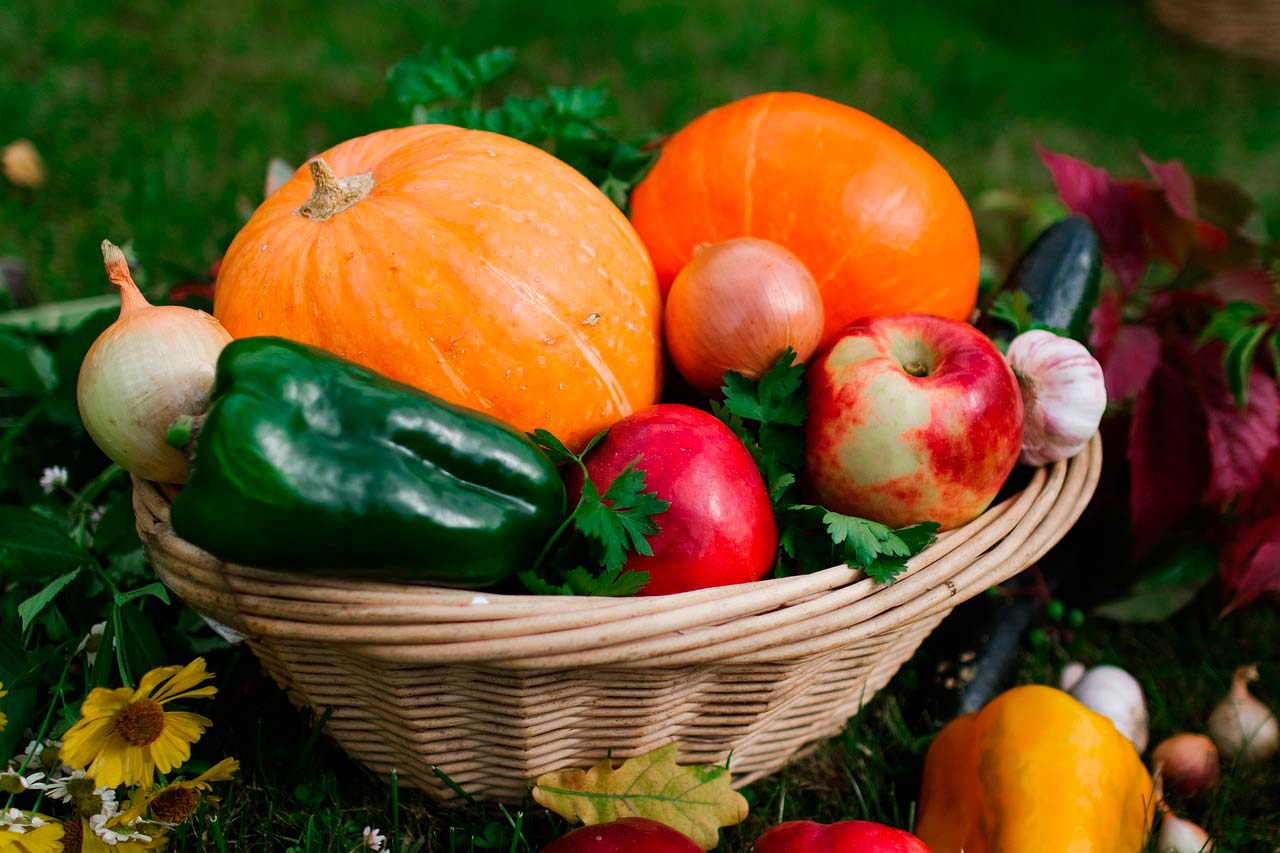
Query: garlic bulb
1244, 729
151, 365
1063, 395
1182, 836
1113, 693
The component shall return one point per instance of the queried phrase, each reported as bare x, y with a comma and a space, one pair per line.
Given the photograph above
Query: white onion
1244, 729
153, 364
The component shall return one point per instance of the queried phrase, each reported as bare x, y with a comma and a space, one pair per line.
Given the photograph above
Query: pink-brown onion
1188, 763
737, 306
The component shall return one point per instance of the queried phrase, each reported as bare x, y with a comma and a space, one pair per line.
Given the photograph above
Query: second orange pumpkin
467, 264
878, 222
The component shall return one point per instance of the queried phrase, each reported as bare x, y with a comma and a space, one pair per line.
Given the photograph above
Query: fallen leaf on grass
696, 800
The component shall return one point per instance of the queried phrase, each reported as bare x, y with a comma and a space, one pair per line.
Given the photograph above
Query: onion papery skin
737, 306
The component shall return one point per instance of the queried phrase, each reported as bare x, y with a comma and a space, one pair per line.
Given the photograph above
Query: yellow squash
1034, 772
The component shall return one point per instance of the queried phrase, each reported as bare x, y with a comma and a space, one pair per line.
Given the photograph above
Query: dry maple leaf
696, 801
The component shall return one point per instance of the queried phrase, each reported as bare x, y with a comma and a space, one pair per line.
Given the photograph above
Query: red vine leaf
1240, 439
1105, 321
1175, 182
1132, 360
1250, 565
1243, 285
1168, 459
1091, 192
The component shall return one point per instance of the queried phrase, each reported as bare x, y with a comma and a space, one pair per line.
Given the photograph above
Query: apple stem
916, 367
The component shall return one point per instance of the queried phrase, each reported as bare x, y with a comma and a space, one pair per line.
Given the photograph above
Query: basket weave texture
497, 689
1241, 27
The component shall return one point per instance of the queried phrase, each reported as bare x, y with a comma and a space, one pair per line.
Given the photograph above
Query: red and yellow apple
911, 418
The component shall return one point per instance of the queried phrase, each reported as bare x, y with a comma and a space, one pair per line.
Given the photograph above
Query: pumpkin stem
332, 194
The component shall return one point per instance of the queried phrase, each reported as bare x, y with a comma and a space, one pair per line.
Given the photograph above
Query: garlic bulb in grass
1113, 693
1063, 395
1244, 729
1181, 836
153, 364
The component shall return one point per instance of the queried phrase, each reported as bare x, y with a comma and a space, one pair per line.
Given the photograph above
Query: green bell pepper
306, 461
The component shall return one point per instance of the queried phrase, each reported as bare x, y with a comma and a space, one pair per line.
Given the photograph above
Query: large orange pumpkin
468, 264
879, 223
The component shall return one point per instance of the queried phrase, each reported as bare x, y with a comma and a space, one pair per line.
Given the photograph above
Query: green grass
157, 119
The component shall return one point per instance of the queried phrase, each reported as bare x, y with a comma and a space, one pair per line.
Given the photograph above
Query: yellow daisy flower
125, 735
28, 832
4, 720
176, 802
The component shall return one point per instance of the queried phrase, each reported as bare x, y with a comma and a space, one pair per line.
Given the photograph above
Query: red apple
719, 529
850, 836
911, 418
629, 835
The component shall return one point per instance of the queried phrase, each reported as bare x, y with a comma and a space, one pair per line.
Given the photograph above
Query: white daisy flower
113, 835
53, 478
373, 839
18, 821
41, 755
91, 641
13, 782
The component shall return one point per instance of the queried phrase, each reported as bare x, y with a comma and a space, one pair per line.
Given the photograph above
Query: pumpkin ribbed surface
879, 223
475, 267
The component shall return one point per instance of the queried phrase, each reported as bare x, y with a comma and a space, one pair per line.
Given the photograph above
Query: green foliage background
157, 118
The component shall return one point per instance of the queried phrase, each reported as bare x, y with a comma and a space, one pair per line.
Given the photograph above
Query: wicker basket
498, 689
1241, 27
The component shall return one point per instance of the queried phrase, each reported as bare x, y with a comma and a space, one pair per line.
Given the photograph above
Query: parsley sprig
768, 417
606, 528
438, 86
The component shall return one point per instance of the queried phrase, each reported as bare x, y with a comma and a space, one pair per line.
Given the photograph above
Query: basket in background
1241, 27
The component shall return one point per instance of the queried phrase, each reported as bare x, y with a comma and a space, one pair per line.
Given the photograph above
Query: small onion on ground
1244, 729
1188, 764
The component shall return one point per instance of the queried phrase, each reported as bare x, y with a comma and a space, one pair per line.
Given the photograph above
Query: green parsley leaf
437, 86
776, 399
625, 521
579, 581
905, 543
1013, 308
873, 547
605, 530
554, 447
767, 417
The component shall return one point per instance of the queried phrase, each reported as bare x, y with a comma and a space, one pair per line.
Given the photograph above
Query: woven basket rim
766, 620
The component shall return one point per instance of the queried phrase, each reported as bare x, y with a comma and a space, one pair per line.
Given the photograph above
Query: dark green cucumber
1060, 274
